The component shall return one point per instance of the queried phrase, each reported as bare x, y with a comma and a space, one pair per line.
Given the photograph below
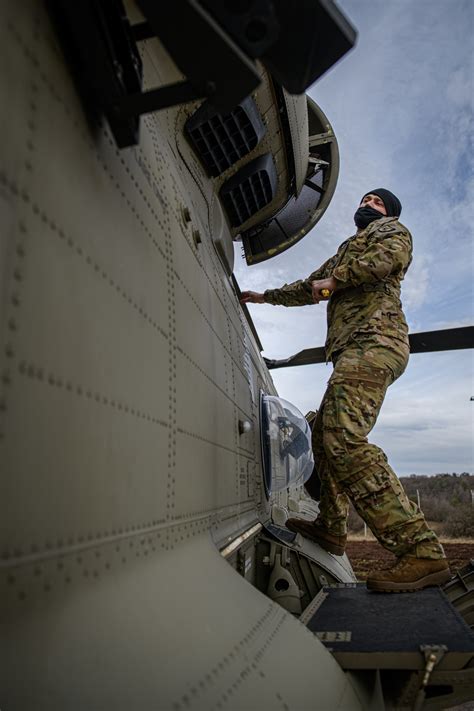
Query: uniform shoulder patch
388, 227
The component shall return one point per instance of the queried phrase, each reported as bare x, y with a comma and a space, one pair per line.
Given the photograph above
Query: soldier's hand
323, 284
252, 297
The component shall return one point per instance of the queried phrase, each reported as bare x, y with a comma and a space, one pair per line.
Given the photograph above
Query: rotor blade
306, 357
448, 339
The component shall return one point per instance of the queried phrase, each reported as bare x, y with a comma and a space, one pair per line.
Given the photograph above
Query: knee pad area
369, 484
348, 453
380, 500
334, 444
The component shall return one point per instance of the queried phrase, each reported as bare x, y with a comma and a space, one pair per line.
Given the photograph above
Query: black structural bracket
213, 44
296, 41
101, 46
448, 339
101, 50
212, 61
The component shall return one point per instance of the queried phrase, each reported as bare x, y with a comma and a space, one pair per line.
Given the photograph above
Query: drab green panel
76, 468
75, 325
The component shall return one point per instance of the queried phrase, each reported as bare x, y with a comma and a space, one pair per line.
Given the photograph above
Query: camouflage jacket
369, 267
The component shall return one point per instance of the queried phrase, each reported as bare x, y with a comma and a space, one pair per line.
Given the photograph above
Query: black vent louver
249, 190
220, 140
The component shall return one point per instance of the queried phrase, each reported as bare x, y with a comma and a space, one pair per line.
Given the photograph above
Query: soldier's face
373, 201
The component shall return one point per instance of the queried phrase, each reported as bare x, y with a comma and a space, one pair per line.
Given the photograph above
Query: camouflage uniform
367, 342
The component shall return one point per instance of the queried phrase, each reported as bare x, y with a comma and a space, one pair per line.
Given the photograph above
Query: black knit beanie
391, 202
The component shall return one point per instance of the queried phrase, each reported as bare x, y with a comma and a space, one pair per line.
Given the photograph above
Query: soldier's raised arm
298, 293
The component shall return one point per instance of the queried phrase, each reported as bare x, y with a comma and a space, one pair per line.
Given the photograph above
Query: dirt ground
367, 555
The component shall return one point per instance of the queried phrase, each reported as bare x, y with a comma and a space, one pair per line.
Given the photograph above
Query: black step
369, 630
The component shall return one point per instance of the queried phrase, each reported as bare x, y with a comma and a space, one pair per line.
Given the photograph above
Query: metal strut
433, 655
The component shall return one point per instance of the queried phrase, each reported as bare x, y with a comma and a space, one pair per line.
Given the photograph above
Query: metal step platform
369, 630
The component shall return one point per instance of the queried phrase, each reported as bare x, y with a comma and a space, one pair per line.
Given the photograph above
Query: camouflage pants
350, 468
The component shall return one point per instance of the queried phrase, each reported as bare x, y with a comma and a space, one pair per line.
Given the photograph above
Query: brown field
368, 555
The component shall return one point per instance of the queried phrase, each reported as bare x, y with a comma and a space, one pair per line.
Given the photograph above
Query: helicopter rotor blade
448, 339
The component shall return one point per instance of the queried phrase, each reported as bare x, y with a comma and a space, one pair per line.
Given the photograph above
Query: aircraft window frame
287, 455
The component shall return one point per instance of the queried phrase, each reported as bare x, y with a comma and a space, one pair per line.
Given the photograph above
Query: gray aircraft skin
138, 571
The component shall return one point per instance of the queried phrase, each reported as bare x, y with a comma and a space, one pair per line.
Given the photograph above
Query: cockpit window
286, 445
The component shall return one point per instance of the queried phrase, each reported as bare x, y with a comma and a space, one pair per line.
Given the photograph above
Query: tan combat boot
317, 532
410, 574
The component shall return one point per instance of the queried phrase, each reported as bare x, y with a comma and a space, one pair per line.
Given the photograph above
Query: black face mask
365, 215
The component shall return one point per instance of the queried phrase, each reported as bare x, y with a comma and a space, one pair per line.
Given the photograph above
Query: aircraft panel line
37, 372
83, 133
224, 346
273, 618
19, 192
133, 532
213, 382
207, 441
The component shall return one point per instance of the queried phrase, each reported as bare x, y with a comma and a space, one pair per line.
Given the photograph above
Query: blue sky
401, 105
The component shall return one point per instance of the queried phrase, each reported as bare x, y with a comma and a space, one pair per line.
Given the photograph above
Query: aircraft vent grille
249, 190
220, 140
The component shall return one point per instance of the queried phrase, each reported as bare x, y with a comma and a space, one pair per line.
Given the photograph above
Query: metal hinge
433, 654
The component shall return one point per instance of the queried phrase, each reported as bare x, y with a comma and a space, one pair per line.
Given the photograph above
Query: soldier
367, 342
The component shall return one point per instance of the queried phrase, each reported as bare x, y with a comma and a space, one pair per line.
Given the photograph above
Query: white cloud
286, 331
428, 416
415, 284
452, 323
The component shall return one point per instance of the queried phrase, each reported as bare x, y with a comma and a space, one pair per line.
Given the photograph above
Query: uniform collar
375, 225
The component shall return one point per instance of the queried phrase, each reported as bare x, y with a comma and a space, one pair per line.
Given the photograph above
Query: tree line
445, 499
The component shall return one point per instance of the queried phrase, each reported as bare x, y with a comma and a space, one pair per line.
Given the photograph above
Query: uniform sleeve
299, 293
389, 251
